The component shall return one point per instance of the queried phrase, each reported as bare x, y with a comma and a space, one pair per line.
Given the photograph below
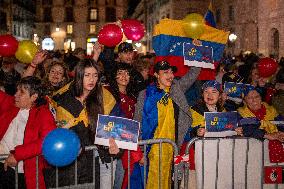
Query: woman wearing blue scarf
164, 112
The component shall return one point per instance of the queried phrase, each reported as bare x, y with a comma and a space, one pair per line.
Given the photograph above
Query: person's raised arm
97, 49
187, 80
39, 58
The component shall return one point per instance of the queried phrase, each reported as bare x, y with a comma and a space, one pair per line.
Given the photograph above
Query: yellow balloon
26, 51
193, 25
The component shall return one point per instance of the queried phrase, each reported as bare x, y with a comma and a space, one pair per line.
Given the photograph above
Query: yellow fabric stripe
165, 129
62, 115
175, 28
108, 100
62, 90
197, 119
210, 7
265, 123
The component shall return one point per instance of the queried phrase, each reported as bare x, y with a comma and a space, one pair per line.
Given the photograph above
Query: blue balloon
61, 147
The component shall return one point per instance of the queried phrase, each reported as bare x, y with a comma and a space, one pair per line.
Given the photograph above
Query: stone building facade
258, 24
75, 23
271, 27
17, 18
150, 12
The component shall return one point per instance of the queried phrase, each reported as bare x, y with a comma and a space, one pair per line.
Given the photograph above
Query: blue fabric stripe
137, 177
167, 45
209, 18
280, 127
150, 112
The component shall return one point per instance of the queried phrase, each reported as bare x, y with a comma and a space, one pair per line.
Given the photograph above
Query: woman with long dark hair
121, 87
77, 109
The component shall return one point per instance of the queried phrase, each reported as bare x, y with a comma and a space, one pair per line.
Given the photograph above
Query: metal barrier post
145, 166
186, 172
128, 168
253, 150
175, 149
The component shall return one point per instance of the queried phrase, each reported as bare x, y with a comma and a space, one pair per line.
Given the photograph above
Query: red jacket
39, 124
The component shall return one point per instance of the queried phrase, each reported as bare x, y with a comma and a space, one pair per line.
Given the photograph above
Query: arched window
274, 44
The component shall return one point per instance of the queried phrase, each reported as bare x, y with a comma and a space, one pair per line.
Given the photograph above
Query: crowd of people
70, 90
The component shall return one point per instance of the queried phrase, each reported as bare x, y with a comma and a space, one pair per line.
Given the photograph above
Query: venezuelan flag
168, 40
209, 16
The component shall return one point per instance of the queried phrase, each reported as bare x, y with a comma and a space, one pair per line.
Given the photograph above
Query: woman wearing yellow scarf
163, 110
258, 121
257, 117
77, 107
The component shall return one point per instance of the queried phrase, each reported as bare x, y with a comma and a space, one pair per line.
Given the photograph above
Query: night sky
131, 6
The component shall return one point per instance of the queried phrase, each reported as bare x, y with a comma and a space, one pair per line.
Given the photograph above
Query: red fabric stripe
205, 74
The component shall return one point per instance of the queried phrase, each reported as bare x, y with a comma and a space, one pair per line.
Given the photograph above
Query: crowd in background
78, 87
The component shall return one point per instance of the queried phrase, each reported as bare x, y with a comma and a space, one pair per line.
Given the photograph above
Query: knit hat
247, 88
212, 83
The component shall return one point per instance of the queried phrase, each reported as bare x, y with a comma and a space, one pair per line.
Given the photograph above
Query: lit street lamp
233, 37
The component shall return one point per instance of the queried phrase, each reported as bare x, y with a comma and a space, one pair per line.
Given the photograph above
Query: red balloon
8, 45
110, 35
267, 67
133, 29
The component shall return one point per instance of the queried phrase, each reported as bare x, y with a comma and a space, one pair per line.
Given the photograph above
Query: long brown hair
94, 101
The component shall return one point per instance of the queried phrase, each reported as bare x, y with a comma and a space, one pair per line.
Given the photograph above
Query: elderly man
25, 121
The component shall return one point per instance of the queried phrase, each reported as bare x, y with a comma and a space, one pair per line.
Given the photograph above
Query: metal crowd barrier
228, 163
221, 163
4, 156
144, 145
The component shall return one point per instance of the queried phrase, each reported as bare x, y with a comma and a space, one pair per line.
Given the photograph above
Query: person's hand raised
97, 49
39, 58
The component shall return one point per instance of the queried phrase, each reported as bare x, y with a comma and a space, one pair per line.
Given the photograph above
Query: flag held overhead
169, 38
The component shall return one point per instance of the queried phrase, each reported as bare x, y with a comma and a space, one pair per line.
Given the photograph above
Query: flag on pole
209, 16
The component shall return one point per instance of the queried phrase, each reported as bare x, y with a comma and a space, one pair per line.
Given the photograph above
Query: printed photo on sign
198, 56
234, 91
220, 124
124, 131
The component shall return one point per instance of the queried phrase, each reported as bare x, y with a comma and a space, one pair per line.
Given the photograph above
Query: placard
198, 56
124, 131
220, 124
